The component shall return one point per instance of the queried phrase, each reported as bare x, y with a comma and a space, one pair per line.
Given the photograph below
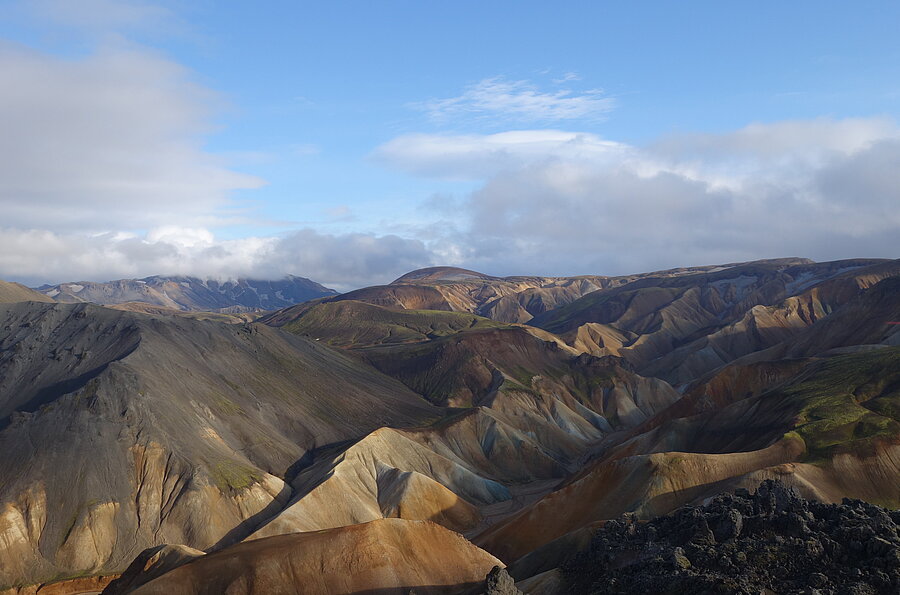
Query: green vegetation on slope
229, 475
352, 324
848, 403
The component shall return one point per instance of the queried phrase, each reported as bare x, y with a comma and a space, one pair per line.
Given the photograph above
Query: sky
351, 142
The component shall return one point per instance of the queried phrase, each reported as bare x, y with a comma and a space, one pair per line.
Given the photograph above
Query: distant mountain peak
440, 273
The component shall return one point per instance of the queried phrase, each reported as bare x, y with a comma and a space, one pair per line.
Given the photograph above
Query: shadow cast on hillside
243, 529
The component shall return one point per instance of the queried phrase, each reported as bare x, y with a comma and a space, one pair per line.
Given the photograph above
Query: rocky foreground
769, 541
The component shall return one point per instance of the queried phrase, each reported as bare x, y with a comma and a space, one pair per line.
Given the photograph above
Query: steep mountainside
191, 293
532, 406
138, 430
678, 328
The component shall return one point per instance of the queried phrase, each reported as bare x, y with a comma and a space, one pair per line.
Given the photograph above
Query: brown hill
383, 556
444, 273
142, 429
14, 292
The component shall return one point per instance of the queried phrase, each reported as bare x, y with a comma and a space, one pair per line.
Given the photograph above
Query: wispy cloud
520, 100
567, 77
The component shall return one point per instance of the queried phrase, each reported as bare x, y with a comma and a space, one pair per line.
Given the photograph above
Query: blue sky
348, 141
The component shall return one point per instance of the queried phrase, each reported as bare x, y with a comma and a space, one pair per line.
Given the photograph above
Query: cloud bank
109, 141
341, 261
557, 202
103, 175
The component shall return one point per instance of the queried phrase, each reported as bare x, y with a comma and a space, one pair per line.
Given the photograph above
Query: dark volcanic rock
770, 541
498, 582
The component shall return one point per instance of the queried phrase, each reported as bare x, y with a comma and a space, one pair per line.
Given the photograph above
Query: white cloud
343, 261
825, 189
109, 141
520, 101
476, 157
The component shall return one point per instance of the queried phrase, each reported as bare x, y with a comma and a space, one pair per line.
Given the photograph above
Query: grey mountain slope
138, 430
193, 294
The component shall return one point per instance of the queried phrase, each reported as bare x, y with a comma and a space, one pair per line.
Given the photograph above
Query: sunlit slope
384, 556
14, 292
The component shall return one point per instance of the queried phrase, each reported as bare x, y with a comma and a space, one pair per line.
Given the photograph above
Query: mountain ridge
193, 293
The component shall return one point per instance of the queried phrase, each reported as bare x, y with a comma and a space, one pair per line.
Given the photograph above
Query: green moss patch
848, 403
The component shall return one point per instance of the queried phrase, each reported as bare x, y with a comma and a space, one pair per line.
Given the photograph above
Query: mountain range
191, 293
415, 435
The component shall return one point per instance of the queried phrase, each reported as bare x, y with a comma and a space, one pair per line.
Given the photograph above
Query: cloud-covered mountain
191, 293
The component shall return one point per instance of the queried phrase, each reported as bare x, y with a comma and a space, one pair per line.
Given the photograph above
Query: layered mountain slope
11, 293
505, 299
530, 377
678, 328
833, 430
765, 326
193, 294
384, 556
519, 299
140, 430
533, 408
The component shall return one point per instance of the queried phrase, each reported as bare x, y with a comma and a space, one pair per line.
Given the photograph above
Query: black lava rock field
771, 541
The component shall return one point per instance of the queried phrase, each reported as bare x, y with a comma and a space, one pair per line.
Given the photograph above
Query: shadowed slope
348, 323
141, 429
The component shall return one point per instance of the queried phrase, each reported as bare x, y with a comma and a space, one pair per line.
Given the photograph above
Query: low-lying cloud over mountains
547, 201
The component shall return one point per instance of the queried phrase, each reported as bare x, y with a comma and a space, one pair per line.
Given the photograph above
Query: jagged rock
729, 526
851, 548
498, 582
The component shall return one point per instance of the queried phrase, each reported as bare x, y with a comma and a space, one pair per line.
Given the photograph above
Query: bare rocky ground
771, 541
